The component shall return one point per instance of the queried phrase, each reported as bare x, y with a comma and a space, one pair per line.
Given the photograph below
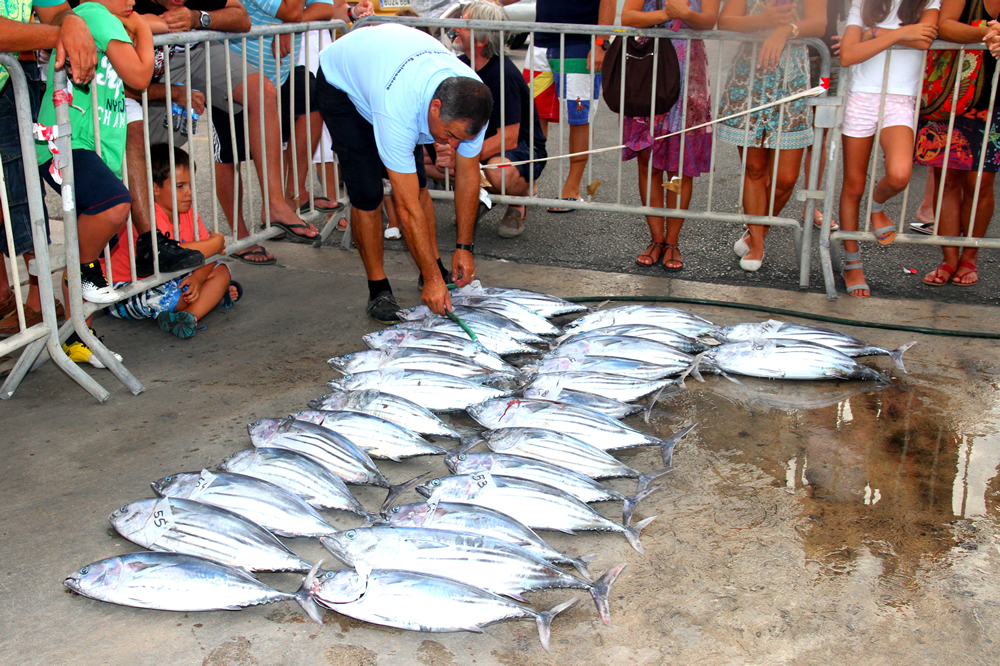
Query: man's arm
73, 40
463, 265
491, 146
605, 16
231, 18
318, 11
290, 11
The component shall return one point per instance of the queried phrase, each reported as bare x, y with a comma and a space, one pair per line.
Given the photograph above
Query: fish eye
395, 509
436, 482
461, 456
351, 534
329, 574
83, 571
168, 479
124, 508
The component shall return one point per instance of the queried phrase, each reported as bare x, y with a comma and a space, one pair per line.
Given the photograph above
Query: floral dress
796, 120
697, 143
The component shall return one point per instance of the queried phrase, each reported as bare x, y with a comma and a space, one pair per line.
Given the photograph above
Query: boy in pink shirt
181, 303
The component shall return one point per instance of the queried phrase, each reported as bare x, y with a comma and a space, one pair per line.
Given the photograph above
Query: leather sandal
884, 235
669, 252
652, 255
852, 261
942, 268
971, 268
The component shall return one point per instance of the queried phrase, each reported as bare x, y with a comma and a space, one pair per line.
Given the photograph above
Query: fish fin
580, 564
515, 596
645, 479
667, 445
631, 502
473, 628
695, 369
304, 596
897, 356
396, 491
372, 519
464, 445
731, 378
632, 533
544, 621
600, 305
601, 588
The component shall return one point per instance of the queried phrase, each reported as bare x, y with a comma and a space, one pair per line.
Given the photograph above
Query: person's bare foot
854, 281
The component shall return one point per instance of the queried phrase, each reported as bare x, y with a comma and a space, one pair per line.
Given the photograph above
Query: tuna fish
170, 581
609, 365
386, 406
651, 315
613, 408
519, 314
377, 437
623, 346
616, 387
298, 474
419, 602
262, 502
776, 359
653, 333
413, 358
842, 342
544, 304
490, 564
538, 506
435, 391
492, 338
450, 343
175, 525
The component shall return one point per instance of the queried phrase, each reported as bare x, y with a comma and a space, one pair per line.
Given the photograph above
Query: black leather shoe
383, 308
172, 256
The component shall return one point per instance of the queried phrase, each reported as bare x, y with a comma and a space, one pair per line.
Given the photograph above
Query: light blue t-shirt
262, 12
391, 72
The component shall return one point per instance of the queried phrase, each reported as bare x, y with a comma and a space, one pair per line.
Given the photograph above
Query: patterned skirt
697, 143
967, 141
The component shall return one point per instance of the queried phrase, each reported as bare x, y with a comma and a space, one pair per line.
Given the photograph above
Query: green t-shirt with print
20, 11
106, 90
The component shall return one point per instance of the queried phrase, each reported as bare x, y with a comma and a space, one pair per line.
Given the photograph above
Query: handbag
638, 81
943, 69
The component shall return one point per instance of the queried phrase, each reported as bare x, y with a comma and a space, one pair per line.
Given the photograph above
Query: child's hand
134, 23
156, 24
835, 49
191, 289
776, 15
923, 33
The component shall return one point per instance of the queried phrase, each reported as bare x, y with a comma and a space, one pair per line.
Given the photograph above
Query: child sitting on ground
179, 304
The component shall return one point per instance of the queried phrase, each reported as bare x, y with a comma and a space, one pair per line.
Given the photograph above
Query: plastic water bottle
179, 119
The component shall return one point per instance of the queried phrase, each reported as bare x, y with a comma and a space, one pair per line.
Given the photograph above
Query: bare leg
654, 252
366, 229
304, 156
672, 257
225, 185
135, 162
984, 212
857, 151
213, 289
757, 193
950, 224
925, 212
579, 141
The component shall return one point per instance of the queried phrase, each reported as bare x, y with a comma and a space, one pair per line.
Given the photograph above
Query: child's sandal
884, 235
852, 261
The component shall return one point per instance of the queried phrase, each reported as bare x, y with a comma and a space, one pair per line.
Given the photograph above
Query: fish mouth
73, 584
424, 492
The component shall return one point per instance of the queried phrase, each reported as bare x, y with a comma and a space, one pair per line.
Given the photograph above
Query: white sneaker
95, 286
392, 233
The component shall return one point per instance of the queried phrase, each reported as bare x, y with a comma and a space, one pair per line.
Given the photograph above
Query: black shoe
94, 286
172, 256
383, 308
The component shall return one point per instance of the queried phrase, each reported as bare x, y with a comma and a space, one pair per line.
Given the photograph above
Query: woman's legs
897, 145
857, 152
672, 256
757, 195
984, 212
949, 225
654, 187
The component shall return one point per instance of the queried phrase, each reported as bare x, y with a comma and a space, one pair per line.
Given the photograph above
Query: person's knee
757, 169
898, 176
221, 271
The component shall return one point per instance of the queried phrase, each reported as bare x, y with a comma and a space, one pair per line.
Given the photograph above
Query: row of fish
465, 556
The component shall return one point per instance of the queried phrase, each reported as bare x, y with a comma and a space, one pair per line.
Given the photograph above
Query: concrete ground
805, 523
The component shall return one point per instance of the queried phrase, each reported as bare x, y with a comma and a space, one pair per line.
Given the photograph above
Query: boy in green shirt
125, 57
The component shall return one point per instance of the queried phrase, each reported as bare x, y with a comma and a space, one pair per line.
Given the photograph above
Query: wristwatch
603, 43
205, 21
795, 30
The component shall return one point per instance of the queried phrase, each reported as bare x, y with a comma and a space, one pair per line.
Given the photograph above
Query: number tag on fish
161, 521
484, 483
204, 481
770, 326
432, 505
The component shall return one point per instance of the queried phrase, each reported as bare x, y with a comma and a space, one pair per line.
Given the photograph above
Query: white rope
811, 92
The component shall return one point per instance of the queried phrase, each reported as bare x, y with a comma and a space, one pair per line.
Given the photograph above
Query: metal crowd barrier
830, 251
43, 336
825, 108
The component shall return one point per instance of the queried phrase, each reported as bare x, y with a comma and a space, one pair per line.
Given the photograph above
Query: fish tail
645, 479
464, 444
631, 502
601, 588
897, 356
374, 519
632, 533
667, 445
544, 621
694, 369
396, 491
581, 564
304, 596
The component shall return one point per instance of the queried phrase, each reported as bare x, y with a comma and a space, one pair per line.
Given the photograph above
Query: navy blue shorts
353, 140
521, 153
13, 166
97, 188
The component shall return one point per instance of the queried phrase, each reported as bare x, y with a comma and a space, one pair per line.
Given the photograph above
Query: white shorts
861, 113
133, 110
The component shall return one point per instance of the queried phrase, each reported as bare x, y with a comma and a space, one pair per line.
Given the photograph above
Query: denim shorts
13, 166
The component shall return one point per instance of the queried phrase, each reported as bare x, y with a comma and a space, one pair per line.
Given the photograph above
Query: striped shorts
577, 86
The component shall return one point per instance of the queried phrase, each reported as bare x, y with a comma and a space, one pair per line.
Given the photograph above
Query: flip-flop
227, 300
556, 209
292, 235
943, 268
262, 252
323, 205
969, 266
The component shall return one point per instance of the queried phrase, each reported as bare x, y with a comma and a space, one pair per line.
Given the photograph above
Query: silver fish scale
411, 358
445, 342
604, 364
473, 559
194, 528
386, 406
578, 485
264, 503
589, 426
559, 449
520, 315
842, 342
298, 474
616, 387
334, 452
684, 323
376, 436
622, 346
435, 391
613, 408
546, 305
170, 581
492, 338
664, 336
486, 317
798, 360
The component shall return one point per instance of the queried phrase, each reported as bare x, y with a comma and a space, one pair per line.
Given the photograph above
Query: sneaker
511, 224
95, 286
78, 352
383, 308
181, 324
392, 233
172, 256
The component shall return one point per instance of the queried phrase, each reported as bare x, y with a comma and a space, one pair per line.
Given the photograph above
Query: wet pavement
805, 522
